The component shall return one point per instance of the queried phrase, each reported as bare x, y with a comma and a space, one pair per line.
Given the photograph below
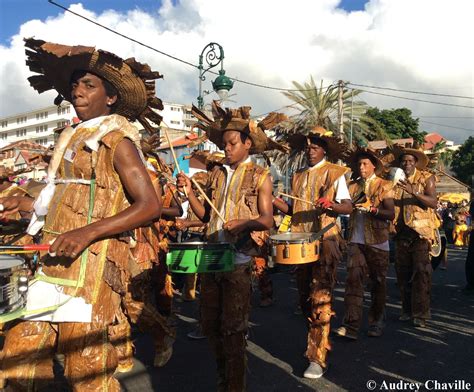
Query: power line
258, 84
171, 56
445, 116
410, 91
123, 35
417, 100
448, 126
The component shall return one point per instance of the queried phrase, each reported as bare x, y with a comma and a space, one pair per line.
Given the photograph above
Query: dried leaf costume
368, 249
86, 189
316, 280
225, 296
415, 227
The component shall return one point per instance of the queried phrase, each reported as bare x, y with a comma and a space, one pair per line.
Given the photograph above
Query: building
36, 126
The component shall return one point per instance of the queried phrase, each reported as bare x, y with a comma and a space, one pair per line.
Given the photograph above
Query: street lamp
212, 58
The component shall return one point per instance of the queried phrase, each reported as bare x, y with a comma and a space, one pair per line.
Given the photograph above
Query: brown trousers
225, 307
163, 286
315, 284
262, 276
90, 358
365, 261
413, 266
137, 306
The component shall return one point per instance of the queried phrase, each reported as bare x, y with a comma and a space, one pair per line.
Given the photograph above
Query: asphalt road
441, 353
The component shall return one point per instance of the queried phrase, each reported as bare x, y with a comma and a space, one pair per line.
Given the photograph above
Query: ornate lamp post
211, 56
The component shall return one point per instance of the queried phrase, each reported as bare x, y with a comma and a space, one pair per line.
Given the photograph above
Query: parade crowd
115, 222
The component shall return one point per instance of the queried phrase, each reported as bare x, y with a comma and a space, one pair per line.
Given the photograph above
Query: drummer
323, 184
416, 223
242, 192
368, 243
105, 182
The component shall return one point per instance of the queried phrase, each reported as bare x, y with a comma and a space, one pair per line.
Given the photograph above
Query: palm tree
319, 106
444, 157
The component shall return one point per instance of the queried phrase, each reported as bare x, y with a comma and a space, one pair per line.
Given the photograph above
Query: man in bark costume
322, 183
416, 222
137, 304
368, 249
98, 189
242, 191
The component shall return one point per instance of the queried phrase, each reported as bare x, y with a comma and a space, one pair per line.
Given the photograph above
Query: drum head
295, 238
8, 262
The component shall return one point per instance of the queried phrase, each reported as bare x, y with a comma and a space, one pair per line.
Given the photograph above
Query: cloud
409, 44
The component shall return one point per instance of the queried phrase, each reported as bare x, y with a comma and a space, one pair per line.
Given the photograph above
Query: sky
416, 45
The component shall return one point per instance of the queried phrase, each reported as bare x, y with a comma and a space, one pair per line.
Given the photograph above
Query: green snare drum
198, 257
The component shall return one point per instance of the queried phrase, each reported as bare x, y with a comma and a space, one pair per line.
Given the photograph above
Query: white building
36, 126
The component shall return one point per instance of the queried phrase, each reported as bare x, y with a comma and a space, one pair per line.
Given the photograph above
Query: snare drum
13, 283
294, 248
198, 257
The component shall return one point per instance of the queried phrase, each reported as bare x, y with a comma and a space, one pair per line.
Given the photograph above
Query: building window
20, 120
4, 136
62, 124
4, 124
41, 128
175, 109
63, 110
21, 132
43, 142
175, 122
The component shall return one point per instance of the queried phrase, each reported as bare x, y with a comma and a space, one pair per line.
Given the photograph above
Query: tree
444, 156
463, 161
319, 106
398, 123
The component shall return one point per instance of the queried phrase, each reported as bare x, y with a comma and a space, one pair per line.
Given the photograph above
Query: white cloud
411, 44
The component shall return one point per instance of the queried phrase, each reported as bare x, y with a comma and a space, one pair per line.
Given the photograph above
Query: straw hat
239, 120
134, 81
364, 152
421, 158
334, 147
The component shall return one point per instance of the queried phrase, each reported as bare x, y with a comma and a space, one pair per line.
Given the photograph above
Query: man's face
314, 153
408, 164
235, 151
366, 167
89, 97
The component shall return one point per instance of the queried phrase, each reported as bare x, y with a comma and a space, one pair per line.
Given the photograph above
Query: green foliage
319, 106
463, 161
398, 123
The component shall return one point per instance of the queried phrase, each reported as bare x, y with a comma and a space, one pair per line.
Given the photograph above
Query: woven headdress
239, 120
134, 81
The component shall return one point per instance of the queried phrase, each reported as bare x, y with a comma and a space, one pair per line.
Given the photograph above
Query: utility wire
252, 83
409, 91
417, 100
171, 56
448, 126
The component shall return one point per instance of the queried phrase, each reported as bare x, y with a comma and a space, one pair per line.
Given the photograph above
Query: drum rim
198, 245
21, 263
309, 239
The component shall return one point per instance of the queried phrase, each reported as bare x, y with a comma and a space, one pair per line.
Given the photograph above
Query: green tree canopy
398, 123
463, 161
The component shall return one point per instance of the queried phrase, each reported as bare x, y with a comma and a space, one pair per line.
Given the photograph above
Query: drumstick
33, 247
296, 198
207, 199
174, 154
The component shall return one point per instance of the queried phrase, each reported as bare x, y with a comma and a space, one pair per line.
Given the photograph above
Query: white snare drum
13, 283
